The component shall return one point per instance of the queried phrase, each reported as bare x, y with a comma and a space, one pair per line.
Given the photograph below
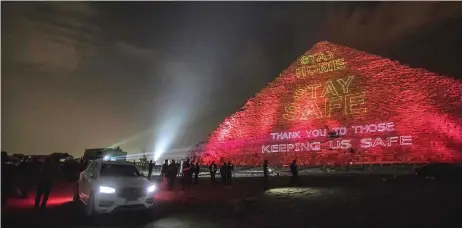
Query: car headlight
152, 188
106, 190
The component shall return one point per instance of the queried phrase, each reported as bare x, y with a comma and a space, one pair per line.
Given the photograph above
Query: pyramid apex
324, 42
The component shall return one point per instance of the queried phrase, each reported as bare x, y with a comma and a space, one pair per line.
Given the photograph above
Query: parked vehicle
106, 186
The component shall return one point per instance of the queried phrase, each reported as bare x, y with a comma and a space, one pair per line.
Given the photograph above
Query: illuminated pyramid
337, 105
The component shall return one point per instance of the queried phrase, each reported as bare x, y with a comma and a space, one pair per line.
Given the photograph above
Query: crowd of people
19, 177
226, 172
188, 173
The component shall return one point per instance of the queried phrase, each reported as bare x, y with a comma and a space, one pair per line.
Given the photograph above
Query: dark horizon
162, 75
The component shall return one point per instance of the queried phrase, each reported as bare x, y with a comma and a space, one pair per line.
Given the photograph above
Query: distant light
106, 158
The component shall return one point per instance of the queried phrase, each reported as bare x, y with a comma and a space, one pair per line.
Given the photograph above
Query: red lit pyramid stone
337, 105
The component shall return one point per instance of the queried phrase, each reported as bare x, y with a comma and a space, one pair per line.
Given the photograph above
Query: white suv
106, 186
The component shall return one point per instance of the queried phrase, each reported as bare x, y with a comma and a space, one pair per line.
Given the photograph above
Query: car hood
117, 182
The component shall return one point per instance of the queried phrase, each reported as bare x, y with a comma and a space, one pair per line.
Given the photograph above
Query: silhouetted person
164, 173
265, 175
81, 166
190, 173
47, 175
7, 178
150, 167
294, 172
213, 171
171, 175
186, 175
164, 169
25, 169
223, 170
197, 169
178, 168
229, 174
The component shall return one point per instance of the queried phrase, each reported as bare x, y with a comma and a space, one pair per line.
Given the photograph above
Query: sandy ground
357, 170
321, 201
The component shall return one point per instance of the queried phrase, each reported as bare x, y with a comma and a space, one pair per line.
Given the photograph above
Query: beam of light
172, 151
167, 132
132, 138
180, 97
180, 103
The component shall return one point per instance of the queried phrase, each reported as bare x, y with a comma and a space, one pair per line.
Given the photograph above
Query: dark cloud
378, 27
53, 35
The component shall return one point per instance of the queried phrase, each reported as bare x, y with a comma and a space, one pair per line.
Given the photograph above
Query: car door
84, 181
92, 176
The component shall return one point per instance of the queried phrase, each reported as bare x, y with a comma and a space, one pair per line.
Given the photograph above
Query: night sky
139, 75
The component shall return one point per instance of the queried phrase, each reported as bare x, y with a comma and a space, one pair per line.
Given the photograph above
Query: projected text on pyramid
317, 63
335, 96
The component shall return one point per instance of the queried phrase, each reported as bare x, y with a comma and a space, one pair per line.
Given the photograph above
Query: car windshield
113, 170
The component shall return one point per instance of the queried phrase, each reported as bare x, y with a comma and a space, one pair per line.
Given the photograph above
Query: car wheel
90, 207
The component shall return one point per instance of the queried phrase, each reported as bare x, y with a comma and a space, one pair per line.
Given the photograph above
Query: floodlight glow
180, 106
159, 150
106, 158
167, 132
